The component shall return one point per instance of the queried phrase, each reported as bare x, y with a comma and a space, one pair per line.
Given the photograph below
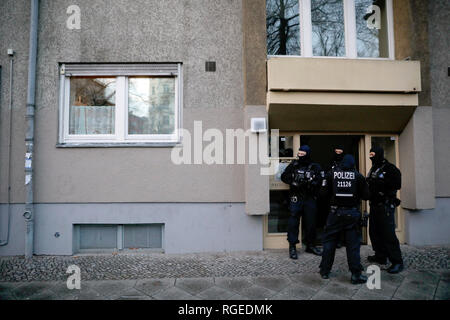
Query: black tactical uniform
384, 180
335, 163
304, 178
346, 187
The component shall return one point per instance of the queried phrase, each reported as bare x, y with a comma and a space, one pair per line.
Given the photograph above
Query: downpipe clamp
28, 216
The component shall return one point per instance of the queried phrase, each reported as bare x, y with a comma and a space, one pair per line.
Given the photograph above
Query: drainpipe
11, 64
29, 138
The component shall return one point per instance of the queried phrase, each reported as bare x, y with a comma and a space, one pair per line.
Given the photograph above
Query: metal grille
98, 237
143, 236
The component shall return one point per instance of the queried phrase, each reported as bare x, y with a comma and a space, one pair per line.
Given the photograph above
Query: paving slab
257, 293
131, 294
420, 287
85, 294
370, 295
237, 297
423, 277
174, 293
340, 289
313, 281
4, 295
108, 288
216, 293
273, 283
7, 286
28, 289
321, 295
443, 290
284, 296
299, 292
387, 290
412, 289
153, 286
62, 292
396, 279
234, 284
194, 285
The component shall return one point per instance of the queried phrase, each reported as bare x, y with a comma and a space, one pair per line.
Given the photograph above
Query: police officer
384, 180
346, 187
304, 178
338, 155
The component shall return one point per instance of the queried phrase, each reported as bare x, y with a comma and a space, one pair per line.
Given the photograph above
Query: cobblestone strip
147, 266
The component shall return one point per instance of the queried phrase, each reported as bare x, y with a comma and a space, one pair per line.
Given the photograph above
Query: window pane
279, 211
92, 105
371, 29
283, 30
286, 146
151, 105
328, 28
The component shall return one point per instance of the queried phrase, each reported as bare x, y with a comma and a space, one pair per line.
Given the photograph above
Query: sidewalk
262, 275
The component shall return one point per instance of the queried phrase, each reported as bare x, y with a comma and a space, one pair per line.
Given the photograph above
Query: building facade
123, 86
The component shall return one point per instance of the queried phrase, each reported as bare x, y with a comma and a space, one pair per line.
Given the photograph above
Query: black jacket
311, 190
384, 180
362, 190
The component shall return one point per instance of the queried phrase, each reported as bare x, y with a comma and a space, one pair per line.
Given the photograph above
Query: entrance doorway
275, 224
322, 146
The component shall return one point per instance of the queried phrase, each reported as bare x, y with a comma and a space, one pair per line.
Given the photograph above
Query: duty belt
345, 208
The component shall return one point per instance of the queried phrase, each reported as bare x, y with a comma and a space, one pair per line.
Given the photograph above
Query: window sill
120, 145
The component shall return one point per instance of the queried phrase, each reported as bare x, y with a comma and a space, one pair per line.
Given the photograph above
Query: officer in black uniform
338, 155
346, 187
384, 180
304, 178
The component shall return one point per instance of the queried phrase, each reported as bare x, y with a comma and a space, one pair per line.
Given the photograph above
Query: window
330, 28
104, 237
120, 104
283, 25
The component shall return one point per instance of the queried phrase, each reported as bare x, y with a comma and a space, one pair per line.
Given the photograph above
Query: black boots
325, 276
377, 259
292, 252
358, 278
314, 250
395, 268
309, 249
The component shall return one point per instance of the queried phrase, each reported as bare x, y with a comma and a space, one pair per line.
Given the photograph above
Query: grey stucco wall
429, 227
188, 227
14, 34
417, 161
186, 31
439, 12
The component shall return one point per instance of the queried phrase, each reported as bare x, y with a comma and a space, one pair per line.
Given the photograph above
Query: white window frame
350, 32
121, 74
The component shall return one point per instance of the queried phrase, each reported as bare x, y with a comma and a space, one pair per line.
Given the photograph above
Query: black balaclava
306, 158
348, 162
338, 157
379, 155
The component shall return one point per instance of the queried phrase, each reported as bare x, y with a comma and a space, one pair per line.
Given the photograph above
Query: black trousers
307, 209
342, 221
382, 232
